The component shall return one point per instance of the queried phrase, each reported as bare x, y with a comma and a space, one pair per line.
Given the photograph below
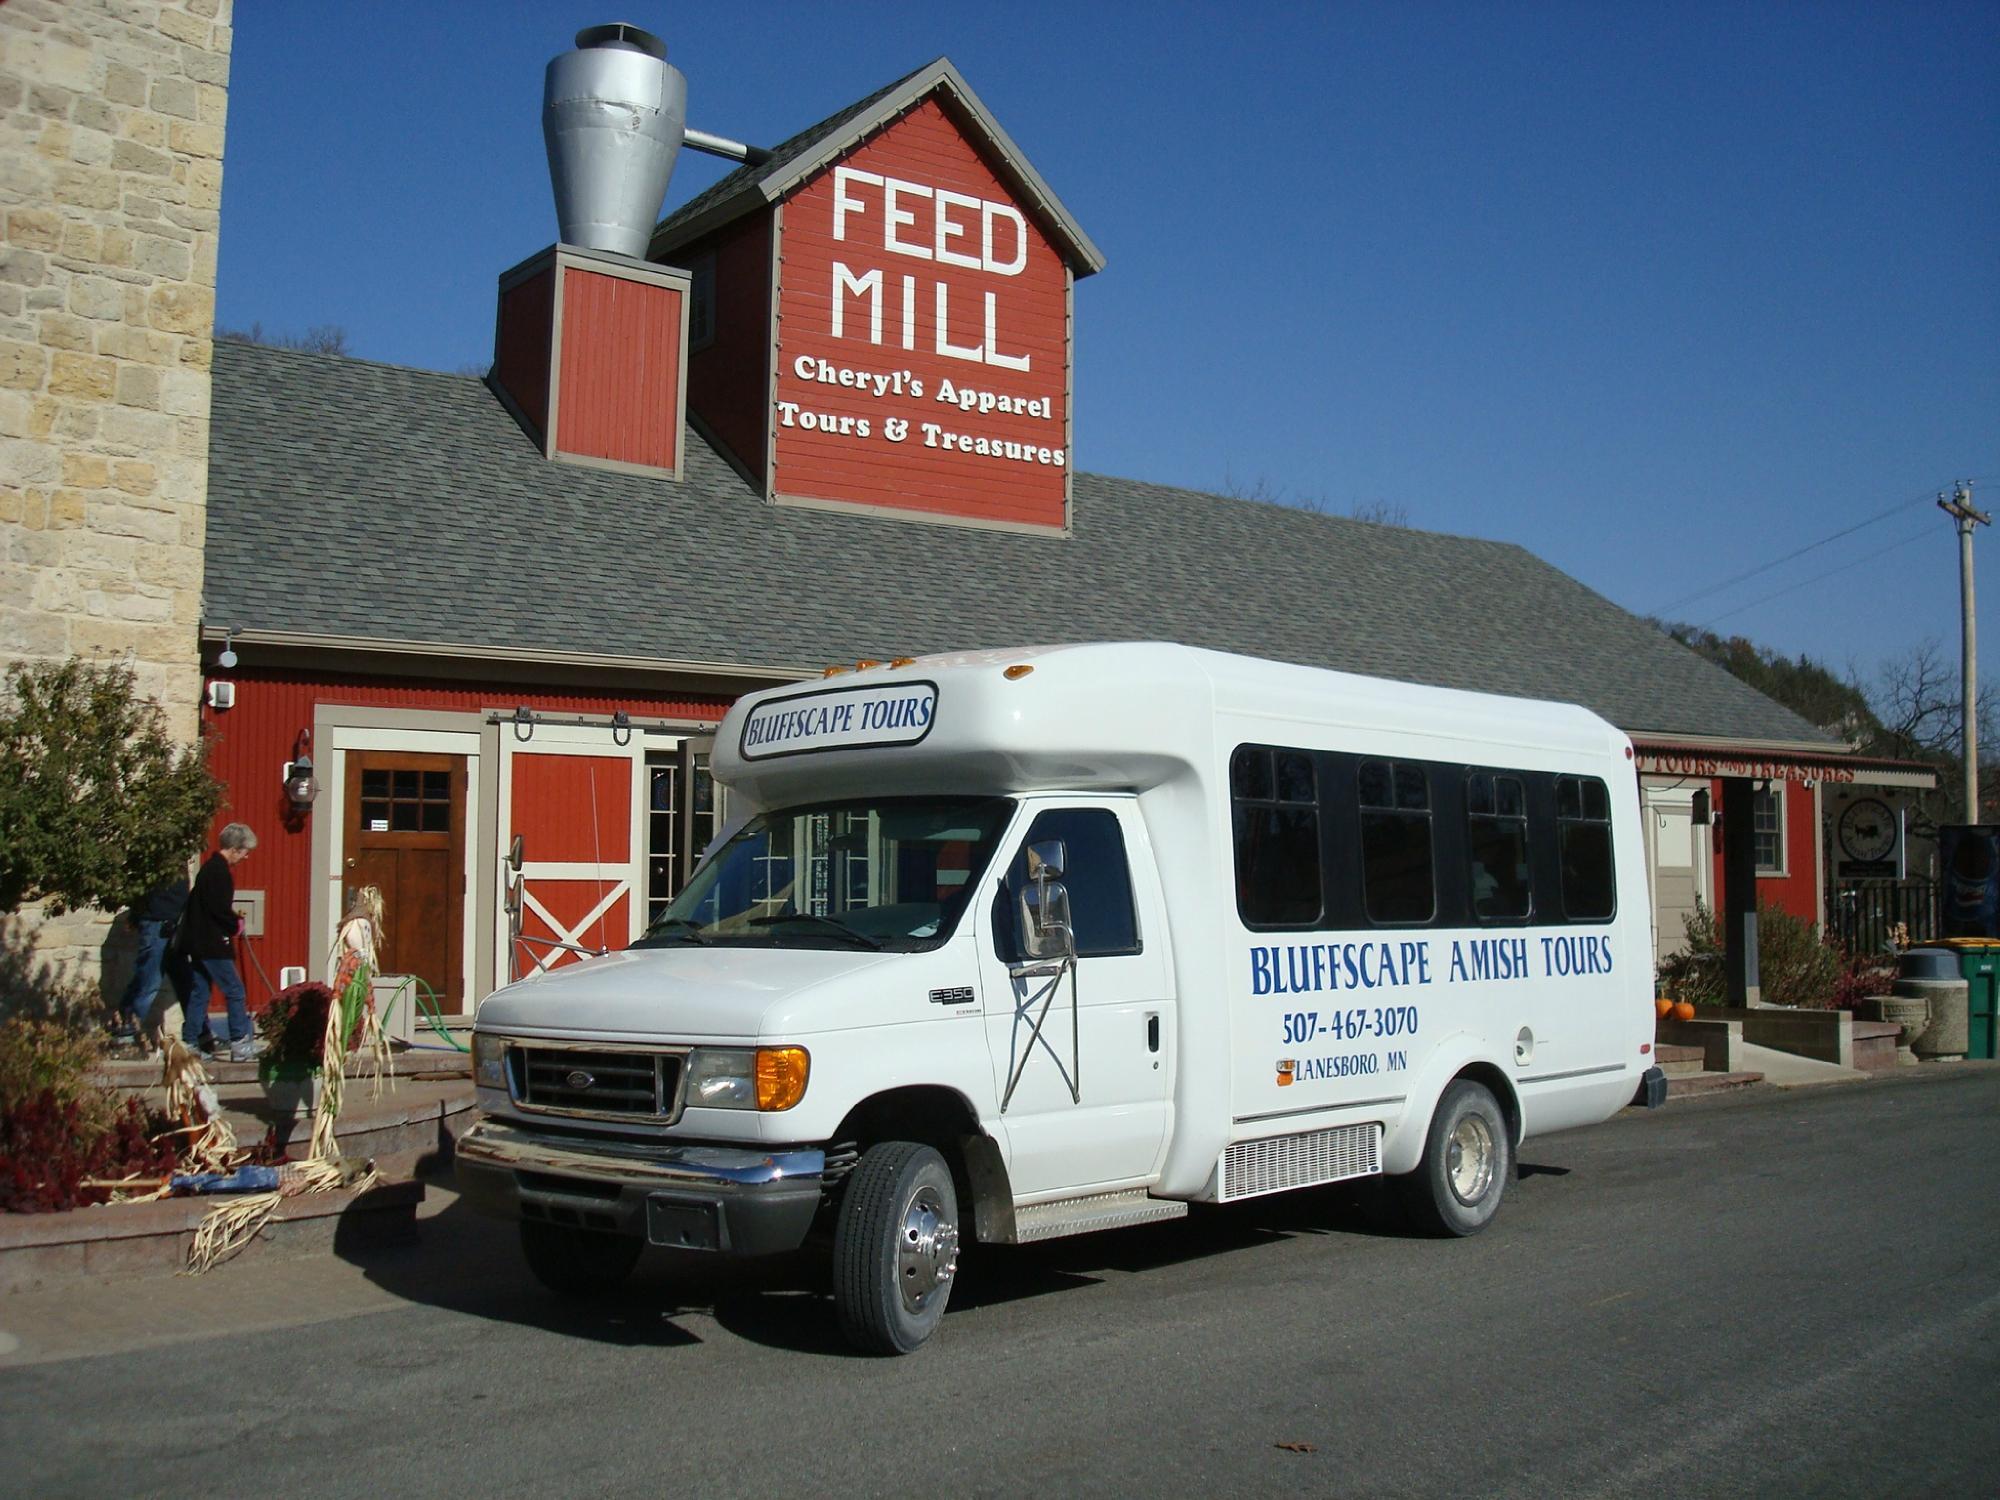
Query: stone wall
111, 128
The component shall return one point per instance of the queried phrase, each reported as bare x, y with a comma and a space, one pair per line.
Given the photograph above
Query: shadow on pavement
467, 1263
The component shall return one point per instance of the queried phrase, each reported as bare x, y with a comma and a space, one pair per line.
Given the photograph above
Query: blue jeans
137, 1004
216, 973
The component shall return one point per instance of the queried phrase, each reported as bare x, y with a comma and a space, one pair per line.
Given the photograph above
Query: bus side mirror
1044, 923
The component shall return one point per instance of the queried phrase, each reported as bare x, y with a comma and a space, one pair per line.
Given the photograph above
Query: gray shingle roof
370, 501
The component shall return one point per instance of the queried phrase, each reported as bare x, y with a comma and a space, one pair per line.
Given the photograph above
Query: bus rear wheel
1468, 1157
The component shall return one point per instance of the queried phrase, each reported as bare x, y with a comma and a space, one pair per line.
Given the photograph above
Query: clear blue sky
1659, 292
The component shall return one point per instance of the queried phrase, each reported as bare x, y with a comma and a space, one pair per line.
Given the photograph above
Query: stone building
111, 130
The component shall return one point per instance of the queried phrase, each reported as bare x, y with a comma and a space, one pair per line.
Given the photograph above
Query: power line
1793, 588
1715, 588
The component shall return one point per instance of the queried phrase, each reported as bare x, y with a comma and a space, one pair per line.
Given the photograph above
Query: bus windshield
890, 873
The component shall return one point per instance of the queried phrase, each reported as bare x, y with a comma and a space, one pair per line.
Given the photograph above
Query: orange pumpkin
1684, 1011
1664, 1007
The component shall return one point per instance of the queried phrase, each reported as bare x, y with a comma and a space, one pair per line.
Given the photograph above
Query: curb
150, 1239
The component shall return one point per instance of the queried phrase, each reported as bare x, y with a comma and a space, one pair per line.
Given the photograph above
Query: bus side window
1496, 829
1398, 883
1098, 877
1583, 834
1274, 798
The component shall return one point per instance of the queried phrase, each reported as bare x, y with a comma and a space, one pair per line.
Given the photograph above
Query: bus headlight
766, 1078
489, 1060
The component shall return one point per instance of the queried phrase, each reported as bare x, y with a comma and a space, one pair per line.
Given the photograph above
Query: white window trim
1782, 869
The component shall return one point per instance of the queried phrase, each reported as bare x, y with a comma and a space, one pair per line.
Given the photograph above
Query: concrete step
126, 1069
1875, 1044
1678, 1061
1693, 1085
415, 1125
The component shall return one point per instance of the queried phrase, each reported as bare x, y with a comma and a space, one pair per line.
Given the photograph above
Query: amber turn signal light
781, 1076
1016, 672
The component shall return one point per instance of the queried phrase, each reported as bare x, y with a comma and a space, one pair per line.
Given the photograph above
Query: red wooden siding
553, 812
729, 377
867, 465
249, 744
619, 396
521, 345
1797, 890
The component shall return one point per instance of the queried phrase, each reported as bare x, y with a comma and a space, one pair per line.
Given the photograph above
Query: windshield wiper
690, 934
831, 923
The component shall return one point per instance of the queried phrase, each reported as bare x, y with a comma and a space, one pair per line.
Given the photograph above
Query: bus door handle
1152, 1031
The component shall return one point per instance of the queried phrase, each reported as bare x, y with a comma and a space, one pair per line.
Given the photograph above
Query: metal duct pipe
722, 145
613, 115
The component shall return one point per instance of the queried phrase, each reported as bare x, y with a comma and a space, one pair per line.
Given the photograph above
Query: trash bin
1979, 965
1935, 973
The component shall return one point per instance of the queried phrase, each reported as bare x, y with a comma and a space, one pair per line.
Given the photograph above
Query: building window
1583, 839
1397, 880
1767, 823
1276, 802
677, 830
701, 303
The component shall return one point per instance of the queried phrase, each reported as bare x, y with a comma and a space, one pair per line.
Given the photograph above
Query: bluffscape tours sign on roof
923, 340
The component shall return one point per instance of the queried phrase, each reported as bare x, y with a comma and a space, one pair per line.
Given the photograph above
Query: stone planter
1944, 1037
292, 1095
1911, 1012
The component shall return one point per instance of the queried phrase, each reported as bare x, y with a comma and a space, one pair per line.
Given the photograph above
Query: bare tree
1916, 699
321, 338
1375, 512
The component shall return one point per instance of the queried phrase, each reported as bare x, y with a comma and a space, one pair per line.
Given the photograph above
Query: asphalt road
1772, 1294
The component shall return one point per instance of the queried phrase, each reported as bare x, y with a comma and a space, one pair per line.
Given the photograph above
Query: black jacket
163, 902
209, 925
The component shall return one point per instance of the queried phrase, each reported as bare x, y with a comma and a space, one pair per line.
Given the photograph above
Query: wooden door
572, 799
405, 835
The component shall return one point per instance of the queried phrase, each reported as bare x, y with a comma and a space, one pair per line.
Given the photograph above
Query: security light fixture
301, 786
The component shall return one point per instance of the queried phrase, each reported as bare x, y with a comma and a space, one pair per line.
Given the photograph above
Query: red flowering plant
293, 1028
56, 1154
60, 1130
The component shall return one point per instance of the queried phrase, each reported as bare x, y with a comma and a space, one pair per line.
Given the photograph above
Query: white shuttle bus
1008, 945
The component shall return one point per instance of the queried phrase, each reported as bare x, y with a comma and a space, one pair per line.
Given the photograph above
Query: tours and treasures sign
922, 338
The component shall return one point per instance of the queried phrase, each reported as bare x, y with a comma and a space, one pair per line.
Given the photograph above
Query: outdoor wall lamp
301, 786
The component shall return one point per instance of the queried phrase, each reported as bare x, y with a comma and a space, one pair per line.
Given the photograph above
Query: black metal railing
1865, 914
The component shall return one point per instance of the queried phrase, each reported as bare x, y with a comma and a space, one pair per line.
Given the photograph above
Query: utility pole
1959, 508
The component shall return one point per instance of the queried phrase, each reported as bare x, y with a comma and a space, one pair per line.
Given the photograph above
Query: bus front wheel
895, 1247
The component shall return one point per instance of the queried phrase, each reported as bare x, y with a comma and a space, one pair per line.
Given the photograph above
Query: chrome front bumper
736, 1199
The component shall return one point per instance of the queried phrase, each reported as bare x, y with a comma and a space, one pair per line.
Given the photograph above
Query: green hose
427, 1008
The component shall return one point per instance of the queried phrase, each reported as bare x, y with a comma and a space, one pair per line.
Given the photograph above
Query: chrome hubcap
1469, 1160
926, 1249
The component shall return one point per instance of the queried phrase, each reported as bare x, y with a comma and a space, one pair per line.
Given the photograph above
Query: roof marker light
865, 663
902, 661
836, 671
1016, 672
